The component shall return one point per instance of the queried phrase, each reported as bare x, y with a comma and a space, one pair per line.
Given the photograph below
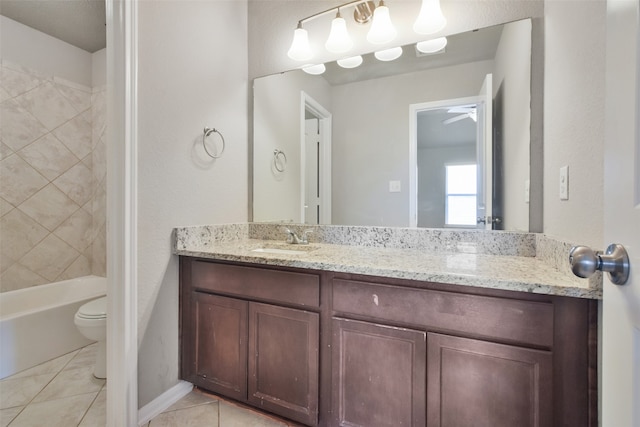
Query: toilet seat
96, 309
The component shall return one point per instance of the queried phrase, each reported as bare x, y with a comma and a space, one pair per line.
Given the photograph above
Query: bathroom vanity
296, 335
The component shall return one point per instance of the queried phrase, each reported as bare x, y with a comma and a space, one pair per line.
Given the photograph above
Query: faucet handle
305, 235
292, 237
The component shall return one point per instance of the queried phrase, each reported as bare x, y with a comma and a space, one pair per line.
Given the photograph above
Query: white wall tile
18, 127
50, 257
19, 180
47, 105
48, 156
49, 207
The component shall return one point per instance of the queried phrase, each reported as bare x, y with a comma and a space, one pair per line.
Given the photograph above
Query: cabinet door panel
283, 361
221, 345
472, 382
378, 375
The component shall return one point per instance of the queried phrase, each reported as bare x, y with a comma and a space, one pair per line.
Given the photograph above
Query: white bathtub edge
164, 401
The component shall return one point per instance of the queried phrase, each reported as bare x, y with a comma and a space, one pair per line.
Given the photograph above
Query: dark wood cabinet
338, 349
378, 375
237, 341
219, 350
283, 361
483, 384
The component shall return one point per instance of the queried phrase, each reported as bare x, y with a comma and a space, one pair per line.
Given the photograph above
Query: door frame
307, 103
122, 107
414, 109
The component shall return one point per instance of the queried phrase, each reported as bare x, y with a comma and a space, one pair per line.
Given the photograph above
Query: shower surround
52, 178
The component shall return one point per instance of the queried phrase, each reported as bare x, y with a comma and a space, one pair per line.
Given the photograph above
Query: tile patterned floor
64, 393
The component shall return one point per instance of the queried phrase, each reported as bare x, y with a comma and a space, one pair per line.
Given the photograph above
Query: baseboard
162, 402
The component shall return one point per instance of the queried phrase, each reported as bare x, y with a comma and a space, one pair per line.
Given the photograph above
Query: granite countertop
514, 273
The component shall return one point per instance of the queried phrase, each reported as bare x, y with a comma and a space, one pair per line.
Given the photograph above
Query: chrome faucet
295, 240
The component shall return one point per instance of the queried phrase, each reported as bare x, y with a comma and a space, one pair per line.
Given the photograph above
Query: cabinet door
283, 361
378, 375
220, 348
478, 383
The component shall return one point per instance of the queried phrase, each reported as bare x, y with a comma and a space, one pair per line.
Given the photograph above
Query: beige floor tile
71, 382
195, 416
51, 367
194, 398
20, 391
96, 416
65, 412
86, 357
235, 416
7, 415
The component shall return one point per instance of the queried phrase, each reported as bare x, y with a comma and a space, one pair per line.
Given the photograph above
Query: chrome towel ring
208, 131
279, 160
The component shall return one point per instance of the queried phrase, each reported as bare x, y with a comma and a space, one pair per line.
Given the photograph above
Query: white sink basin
284, 249
278, 251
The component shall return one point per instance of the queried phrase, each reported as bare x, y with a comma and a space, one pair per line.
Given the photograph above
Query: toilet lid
94, 309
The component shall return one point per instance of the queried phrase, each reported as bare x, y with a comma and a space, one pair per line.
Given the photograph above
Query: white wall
25, 46
99, 68
574, 101
276, 124
192, 73
371, 145
512, 73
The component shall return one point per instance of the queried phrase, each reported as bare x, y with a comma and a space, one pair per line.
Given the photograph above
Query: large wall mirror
428, 140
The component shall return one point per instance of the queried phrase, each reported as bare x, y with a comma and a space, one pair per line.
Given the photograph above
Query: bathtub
36, 324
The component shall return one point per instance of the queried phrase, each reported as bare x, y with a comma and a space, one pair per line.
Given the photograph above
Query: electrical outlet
564, 183
527, 186
394, 186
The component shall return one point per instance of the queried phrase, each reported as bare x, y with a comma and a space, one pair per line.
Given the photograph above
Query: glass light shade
432, 46
300, 49
352, 62
339, 40
430, 19
389, 54
314, 69
382, 30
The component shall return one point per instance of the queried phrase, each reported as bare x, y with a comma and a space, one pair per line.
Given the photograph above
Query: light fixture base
364, 12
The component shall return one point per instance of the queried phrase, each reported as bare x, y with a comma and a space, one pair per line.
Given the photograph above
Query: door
621, 304
283, 362
315, 162
378, 375
312, 171
484, 111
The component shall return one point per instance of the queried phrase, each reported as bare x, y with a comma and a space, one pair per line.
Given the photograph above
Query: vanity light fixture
382, 29
430, 19
432, 46
339, 40
388, 54
351, 62
300, 49
314, 69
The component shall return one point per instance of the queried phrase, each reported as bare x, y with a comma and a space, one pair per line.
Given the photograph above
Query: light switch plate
394, 186
564, 183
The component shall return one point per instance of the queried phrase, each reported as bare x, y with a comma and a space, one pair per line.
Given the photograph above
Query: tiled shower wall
52, 178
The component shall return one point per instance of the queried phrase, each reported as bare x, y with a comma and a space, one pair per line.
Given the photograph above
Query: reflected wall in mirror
372, 165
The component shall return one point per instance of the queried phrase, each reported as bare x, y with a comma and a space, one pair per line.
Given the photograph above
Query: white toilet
91, 321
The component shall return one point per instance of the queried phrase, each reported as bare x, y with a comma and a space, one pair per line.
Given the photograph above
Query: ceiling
81, 23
